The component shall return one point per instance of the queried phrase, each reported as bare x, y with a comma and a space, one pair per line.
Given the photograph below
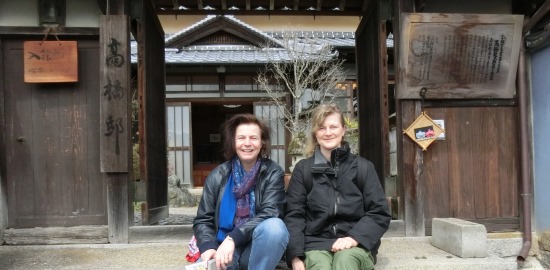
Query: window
205, 83
239, 83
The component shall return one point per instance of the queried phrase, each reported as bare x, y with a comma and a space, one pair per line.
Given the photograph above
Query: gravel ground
177, 216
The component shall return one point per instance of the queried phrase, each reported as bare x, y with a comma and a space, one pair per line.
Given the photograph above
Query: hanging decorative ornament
423, 131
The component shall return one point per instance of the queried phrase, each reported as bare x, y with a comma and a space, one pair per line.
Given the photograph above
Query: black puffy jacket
333, 206
270, 202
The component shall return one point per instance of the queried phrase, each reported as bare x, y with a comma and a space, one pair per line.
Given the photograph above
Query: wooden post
115, 126
408, 170
372, 91
3, 182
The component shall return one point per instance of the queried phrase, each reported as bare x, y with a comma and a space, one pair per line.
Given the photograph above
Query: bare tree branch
305, 68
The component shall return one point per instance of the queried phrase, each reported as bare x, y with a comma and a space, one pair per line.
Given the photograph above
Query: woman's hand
343, 243
207, 255
298, 264
224, 254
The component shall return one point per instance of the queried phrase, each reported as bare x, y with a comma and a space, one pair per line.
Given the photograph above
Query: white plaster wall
18, 13
540, 83
82, 13
79, 13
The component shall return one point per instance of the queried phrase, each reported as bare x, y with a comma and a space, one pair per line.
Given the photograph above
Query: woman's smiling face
248, 143
330, 133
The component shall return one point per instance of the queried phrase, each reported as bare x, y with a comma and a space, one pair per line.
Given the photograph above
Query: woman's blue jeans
266, 249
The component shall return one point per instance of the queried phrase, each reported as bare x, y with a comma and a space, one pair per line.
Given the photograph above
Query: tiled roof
335, 39
245, 54
225, 56
228, 18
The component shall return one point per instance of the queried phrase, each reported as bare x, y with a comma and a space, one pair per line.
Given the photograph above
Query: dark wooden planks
372, 91
48, 172
152, 115
436, 180
473, 174
18, 138
93, 184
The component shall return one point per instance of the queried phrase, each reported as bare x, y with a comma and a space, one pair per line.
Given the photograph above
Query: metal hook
422, 94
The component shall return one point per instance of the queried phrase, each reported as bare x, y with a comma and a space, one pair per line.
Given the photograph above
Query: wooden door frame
3, 180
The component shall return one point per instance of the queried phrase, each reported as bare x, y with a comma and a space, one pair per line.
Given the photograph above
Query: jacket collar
322, 165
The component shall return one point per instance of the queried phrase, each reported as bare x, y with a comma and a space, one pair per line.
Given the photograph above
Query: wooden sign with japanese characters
50, 61
114, 93
457, 56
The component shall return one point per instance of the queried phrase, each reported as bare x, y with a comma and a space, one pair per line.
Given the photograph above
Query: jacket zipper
336, 165
337, 202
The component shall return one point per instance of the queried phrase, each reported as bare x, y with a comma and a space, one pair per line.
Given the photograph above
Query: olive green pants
348, 259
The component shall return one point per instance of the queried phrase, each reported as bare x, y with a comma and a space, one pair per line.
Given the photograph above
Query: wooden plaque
50, 61
423, 131
455, 56
115, 94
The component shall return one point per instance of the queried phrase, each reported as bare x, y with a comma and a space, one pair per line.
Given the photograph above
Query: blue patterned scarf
237, 205
243, 190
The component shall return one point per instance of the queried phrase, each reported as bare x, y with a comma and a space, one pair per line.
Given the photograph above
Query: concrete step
396, 253
419, 253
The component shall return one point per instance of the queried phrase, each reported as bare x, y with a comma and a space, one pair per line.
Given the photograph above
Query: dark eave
262, 7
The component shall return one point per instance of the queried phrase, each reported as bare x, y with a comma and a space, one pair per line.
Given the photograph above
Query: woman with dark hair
238, 220
336, 210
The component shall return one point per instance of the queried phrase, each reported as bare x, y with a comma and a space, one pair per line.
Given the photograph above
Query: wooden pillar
373, 90
3, 182
115, 124
409, 157
152, 113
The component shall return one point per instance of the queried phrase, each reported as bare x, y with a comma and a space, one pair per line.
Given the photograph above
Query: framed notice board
458, 56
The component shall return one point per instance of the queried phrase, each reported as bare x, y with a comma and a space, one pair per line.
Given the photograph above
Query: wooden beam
296, 5
247, 4
114, 7
539, 14
342, 6
319, 5
366, 4
271, 4
60, 31
224, 5
295, 12
200, 5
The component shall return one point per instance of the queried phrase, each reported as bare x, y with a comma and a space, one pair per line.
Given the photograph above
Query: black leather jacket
270, 202
334, 206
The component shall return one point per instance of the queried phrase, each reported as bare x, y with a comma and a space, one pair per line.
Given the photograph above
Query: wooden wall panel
435, 174
52, 146
508, 178
45, 148
93, 193
17, 137
474, 172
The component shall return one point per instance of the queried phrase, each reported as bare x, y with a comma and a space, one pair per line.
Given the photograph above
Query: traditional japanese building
65, 146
